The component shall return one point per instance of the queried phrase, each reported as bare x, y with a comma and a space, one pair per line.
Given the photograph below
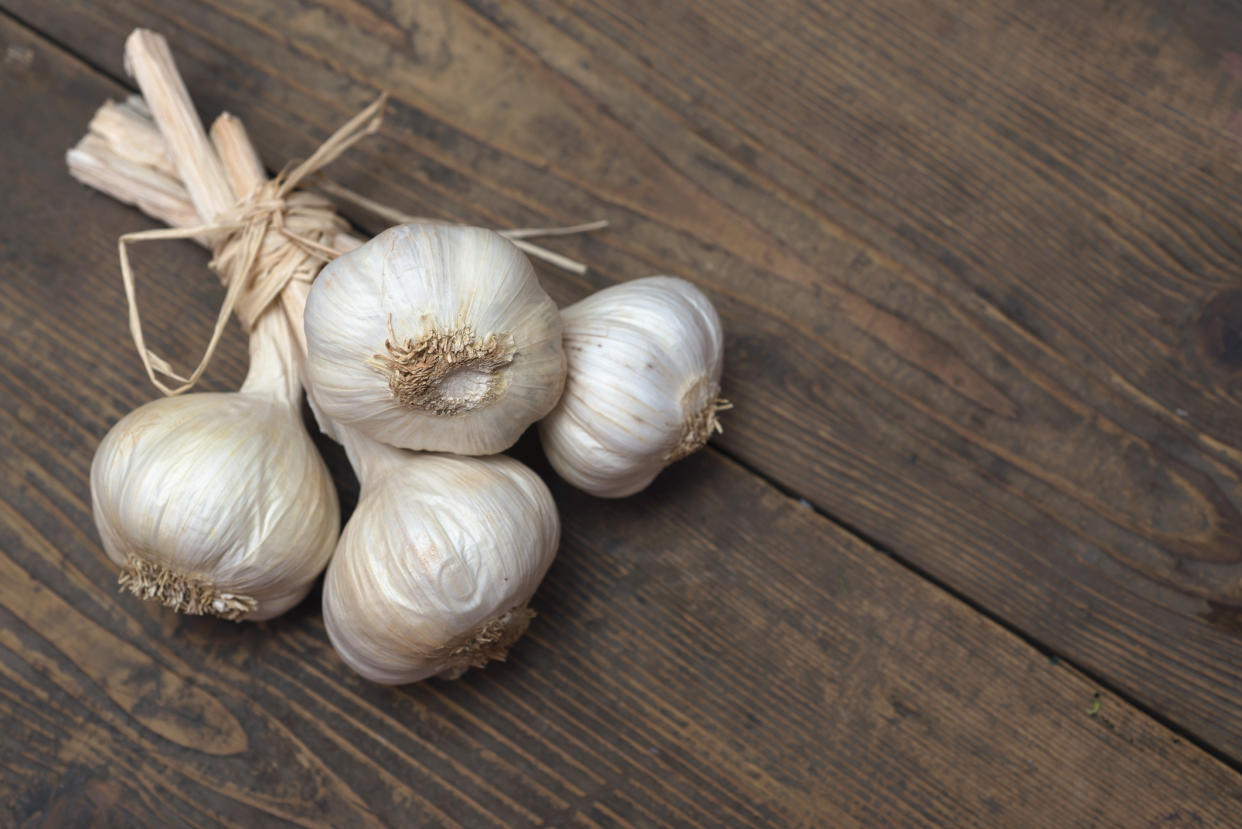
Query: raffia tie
271, 237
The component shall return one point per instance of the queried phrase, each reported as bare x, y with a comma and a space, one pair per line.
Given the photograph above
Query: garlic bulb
436, 337
435, 567
642, 390
218, 502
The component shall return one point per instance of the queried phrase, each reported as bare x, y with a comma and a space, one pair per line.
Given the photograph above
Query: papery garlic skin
435, 337
643, 386
436, 565
218, 503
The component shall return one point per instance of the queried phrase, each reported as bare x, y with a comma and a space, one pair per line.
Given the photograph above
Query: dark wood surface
976, 260
977, 269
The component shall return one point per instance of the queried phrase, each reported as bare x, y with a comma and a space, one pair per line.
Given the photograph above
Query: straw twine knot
273, 236
278, 239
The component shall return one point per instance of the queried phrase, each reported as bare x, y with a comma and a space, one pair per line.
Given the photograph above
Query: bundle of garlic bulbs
428, 337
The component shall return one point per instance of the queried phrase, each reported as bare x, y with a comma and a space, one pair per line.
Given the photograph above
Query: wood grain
708, 653
977, 260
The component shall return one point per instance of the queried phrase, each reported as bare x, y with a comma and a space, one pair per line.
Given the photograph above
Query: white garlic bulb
436, 337
219, 503
643, 385
435, 567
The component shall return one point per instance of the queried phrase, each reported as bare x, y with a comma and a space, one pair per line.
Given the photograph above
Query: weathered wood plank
977, 261
707, 653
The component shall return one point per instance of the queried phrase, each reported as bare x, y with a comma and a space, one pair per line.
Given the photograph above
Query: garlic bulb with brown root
436, 337
643, 385
435, 567
219, 503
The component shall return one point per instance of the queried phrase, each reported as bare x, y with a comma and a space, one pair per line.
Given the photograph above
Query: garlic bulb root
491, 640
643, 385
183, 593
700, 426
446, 372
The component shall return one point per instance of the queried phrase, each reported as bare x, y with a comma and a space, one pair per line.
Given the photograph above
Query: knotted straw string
272, 236
517, 237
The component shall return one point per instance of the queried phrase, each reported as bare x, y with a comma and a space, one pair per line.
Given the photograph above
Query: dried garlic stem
149, 61
241, 160
124, 156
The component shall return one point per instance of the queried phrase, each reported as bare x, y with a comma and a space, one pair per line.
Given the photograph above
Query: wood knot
1219, 330
1224, 617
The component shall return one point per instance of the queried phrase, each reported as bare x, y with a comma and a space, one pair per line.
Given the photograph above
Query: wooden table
969, 551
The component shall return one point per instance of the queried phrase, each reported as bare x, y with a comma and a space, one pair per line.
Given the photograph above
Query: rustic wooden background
970, 548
